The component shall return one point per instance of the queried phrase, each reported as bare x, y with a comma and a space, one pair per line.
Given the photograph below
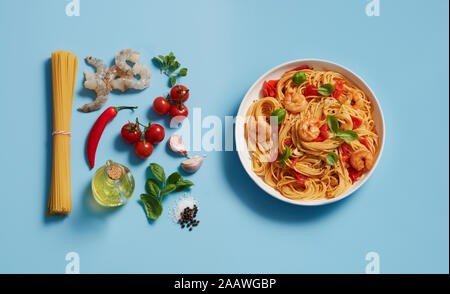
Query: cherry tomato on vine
179, 93
143, 149
155, 133
131, 133
179, 113
161, 105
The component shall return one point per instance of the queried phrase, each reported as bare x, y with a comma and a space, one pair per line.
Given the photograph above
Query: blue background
402, 212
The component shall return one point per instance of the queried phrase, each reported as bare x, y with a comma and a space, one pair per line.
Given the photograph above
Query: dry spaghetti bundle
64, 71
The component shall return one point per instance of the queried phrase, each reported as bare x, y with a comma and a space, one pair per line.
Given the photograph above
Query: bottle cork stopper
114, 172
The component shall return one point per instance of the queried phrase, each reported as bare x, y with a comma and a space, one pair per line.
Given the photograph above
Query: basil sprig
299, 78
158, 187
332, 158
280, 114
346, 135
169, 65
283, 157
326, 89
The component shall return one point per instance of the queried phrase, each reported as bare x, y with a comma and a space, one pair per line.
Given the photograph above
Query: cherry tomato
323, 135
300, 179
131, 133
143, 149
177, 113
179, 93
356, 121
161, 105
338, 89
155, 133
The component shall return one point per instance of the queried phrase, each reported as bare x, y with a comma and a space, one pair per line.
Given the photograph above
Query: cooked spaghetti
325, 139
64, 71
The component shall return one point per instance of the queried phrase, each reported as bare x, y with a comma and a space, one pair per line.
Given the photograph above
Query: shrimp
361, 159
124, 83
309, 130
120, 76
127, 55
95, 81
295, 102
112, 73
357, 100
347, 123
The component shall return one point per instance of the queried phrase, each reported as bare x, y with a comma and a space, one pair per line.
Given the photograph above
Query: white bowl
255, 93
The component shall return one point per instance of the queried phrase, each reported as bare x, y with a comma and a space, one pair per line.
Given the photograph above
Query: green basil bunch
158, 187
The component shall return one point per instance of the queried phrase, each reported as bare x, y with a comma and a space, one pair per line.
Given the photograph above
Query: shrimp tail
95, 105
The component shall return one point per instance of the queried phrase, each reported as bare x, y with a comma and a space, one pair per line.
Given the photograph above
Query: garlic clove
192, 164
176, 145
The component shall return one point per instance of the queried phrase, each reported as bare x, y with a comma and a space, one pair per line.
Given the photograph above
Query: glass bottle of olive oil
113, 184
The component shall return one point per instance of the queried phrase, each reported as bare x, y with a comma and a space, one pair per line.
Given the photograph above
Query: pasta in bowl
309, 132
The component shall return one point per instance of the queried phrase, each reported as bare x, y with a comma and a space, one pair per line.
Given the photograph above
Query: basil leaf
174, 178
168, 189
326, 89
152, 187
183, 184
152, 206
166, 61
173, 81
285, 156
163, 59
280, 114
333, 123
175, 66
332, 158
347, 135
182, 72
287, 153
157, 61
299, 78
158, 172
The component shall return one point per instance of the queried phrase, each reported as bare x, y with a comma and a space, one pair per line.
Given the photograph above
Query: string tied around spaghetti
61, 133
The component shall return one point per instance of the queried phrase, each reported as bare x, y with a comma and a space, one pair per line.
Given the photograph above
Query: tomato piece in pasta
354, 174
311, 90
300, 179
338, 89
324, 133
356, 122
288, 142
365, 143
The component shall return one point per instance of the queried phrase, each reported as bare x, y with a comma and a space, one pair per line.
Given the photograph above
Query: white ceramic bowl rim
240, 139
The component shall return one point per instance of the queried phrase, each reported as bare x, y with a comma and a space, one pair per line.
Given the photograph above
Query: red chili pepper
356, 122
270, 88
300, 68
97, 130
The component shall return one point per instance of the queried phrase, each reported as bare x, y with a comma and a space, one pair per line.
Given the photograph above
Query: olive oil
112, 185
